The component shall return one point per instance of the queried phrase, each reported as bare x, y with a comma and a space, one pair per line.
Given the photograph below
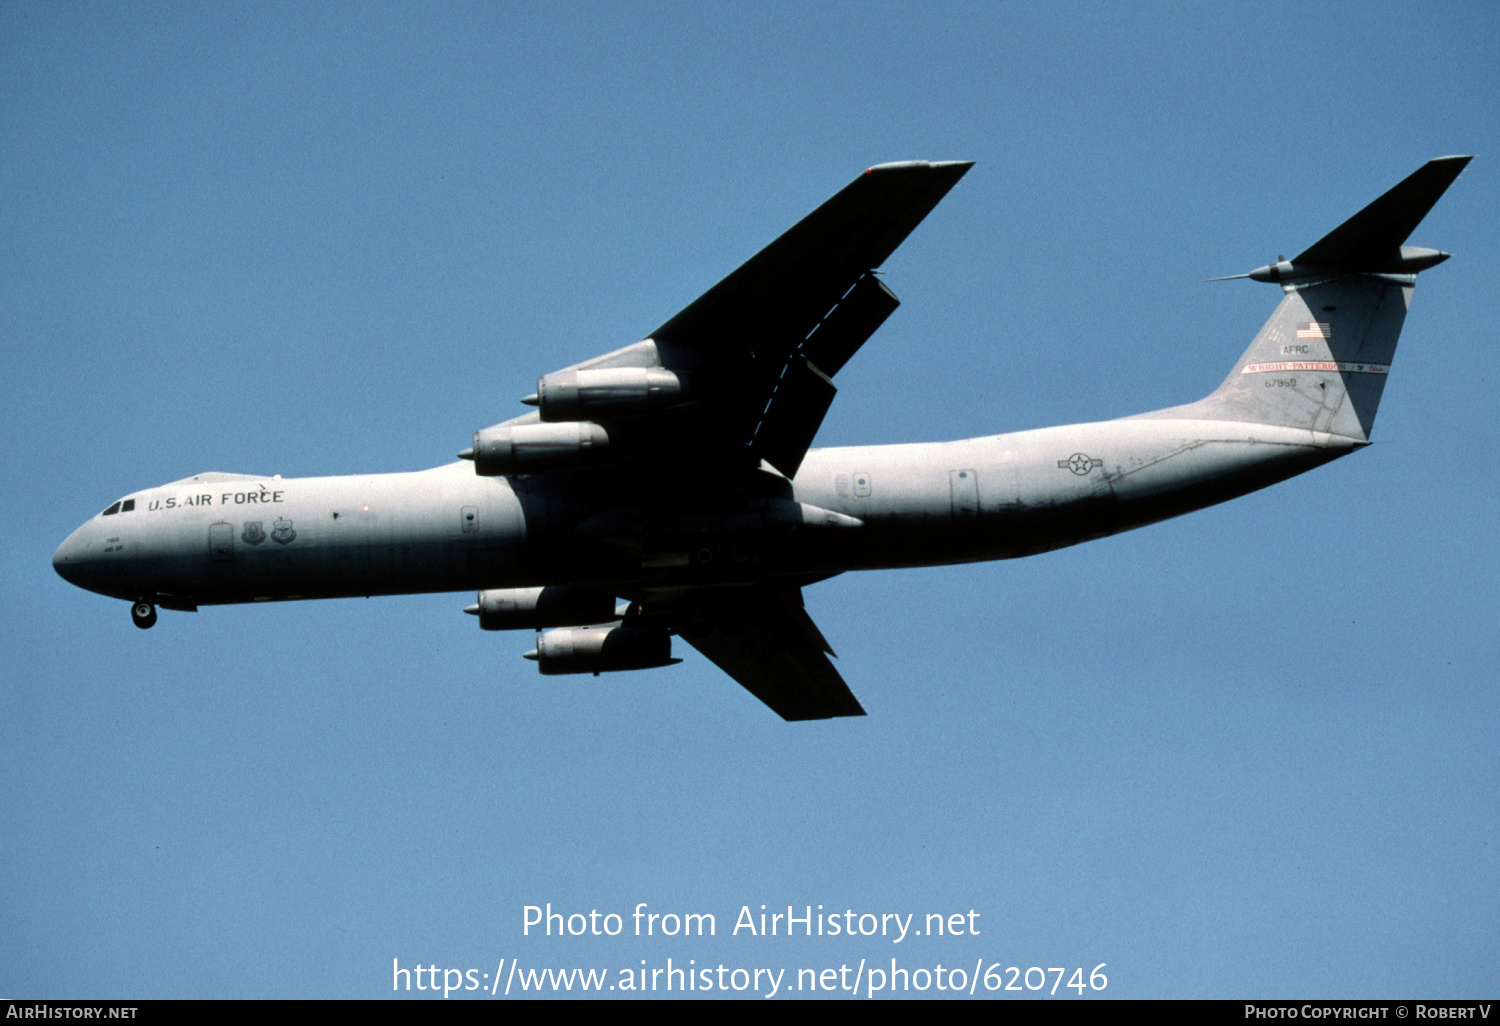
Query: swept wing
755, 356
772, 647
758, 351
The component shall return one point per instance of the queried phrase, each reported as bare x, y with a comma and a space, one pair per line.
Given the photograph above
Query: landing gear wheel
143, 614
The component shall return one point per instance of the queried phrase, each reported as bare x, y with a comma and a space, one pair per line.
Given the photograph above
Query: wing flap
859, 315
802, 399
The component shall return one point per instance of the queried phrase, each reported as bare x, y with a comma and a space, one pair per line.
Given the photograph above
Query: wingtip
907, 165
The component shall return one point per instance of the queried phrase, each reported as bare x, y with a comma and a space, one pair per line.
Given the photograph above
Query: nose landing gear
143, 614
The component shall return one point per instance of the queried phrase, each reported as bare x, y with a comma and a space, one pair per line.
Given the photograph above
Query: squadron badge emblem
281, 532
253, 533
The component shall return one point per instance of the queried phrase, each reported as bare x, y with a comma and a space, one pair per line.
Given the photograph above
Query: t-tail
1321, 361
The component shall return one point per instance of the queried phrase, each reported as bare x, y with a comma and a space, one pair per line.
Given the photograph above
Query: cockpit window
112, 510
127, 505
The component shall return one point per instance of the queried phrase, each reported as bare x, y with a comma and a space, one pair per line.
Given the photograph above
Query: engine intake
530, 448
601, 649
607, 392
556, 605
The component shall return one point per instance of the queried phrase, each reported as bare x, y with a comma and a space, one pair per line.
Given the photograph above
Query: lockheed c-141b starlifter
677, 474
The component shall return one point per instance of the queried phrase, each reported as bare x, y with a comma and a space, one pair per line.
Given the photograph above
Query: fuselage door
221, 543
964, 485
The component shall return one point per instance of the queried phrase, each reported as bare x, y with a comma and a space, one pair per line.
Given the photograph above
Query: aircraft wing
760, 348
773, 648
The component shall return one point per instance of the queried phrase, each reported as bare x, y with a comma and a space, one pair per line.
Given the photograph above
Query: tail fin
1321, 361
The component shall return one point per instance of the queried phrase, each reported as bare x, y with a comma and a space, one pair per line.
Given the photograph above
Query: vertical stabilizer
1322, 359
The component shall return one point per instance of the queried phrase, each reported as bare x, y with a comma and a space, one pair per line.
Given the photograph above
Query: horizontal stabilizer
1376, 233
1370, 242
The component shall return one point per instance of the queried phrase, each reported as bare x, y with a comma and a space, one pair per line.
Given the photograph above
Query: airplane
670, 489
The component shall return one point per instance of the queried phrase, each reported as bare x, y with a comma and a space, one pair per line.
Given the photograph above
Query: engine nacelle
603, 393
556, 605
530, 448
601, 649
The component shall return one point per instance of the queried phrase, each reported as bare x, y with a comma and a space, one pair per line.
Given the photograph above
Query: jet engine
607, 392
529, 448
556, 605
601, 649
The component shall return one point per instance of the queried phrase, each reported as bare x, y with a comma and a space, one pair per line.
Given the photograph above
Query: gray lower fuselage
448, 529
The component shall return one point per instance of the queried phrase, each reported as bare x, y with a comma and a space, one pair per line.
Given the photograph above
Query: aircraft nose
68, 559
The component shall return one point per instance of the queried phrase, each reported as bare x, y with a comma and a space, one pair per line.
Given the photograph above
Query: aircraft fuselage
243, 539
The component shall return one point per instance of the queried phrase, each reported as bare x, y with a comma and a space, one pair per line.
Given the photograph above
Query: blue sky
1246, 752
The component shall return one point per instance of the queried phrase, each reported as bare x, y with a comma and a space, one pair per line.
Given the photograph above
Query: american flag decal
1316, 329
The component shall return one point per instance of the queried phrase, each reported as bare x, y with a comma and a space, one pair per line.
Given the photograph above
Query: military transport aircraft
677, 474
